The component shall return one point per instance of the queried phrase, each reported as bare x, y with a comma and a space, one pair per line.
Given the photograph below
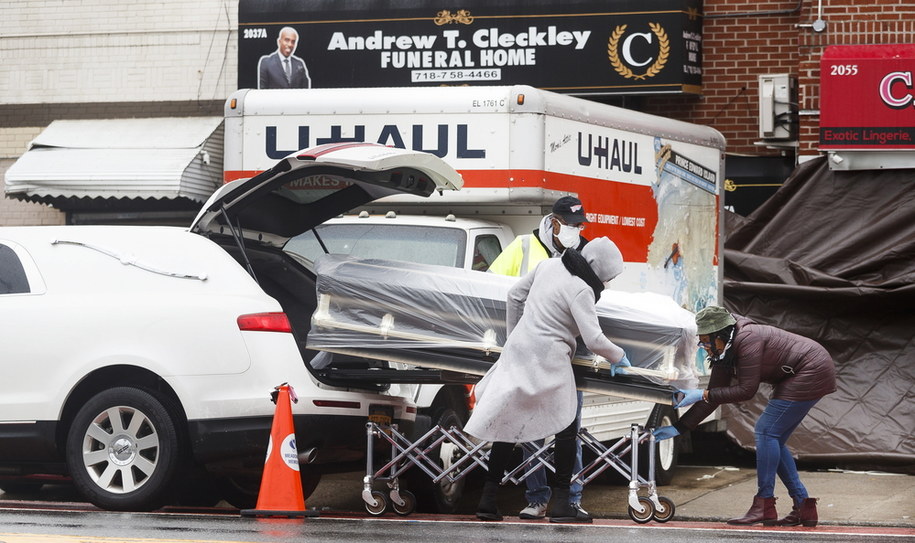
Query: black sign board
574, 47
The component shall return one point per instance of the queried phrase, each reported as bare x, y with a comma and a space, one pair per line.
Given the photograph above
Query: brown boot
762, 510
803, 513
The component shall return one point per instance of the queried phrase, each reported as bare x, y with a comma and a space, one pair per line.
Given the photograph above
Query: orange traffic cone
280, 493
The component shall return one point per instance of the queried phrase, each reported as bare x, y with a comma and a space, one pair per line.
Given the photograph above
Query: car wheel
666, 451
441, 497
124, 449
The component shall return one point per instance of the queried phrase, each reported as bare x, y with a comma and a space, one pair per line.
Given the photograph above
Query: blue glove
617, 367
665, 432
690, 396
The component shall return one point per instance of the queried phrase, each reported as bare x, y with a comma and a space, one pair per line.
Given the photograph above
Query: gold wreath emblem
445, 16
622, 69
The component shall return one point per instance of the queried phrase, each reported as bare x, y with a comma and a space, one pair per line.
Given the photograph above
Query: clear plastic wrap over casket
370, 304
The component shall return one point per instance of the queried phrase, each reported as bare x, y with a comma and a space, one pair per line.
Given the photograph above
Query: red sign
867, 97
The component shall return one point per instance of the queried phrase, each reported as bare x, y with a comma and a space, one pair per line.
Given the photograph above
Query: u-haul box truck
650, 184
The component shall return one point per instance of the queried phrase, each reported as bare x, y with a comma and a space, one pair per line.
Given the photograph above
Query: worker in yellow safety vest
559, 230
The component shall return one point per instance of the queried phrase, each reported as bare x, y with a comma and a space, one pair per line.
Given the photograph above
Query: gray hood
604, 257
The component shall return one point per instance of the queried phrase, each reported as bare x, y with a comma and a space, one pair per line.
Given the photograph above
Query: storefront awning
87, 160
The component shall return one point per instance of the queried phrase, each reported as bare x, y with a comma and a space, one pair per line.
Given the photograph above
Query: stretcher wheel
667, 511
644, 516
409, 503
381, 502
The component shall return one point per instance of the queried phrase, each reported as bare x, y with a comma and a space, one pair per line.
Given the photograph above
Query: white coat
529, 393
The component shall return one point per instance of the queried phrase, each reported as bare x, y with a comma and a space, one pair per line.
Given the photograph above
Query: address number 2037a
255, 33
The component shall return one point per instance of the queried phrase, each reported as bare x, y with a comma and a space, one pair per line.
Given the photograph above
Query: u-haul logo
609, 153
440, 140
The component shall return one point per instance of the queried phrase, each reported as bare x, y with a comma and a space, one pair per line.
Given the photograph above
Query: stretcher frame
474, 454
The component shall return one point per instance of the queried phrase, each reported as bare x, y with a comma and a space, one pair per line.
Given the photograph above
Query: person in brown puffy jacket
742, 355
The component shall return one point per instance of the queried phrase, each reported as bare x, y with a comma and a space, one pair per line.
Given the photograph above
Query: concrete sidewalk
700, 493
717, 493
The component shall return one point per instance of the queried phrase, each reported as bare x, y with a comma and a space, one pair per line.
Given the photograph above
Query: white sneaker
533, 511
581, 510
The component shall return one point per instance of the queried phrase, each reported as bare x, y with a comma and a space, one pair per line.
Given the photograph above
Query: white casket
454, 319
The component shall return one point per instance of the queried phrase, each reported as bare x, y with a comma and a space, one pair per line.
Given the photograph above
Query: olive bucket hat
713, 318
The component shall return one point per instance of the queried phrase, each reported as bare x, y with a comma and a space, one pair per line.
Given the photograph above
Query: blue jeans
538, 491
774, 427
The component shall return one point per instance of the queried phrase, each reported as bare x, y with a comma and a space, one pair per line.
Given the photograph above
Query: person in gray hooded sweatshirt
529, 393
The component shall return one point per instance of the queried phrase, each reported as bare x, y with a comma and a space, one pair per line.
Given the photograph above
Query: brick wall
745, 39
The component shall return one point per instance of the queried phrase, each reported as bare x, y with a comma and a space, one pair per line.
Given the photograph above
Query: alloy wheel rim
120, 449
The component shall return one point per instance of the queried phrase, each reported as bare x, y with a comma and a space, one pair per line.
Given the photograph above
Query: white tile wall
110, 50
98, 51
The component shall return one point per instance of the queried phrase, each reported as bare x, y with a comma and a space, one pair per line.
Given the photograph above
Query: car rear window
439, 246
12, 274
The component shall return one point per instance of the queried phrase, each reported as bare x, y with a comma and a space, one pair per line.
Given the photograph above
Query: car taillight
337, 403
264, 322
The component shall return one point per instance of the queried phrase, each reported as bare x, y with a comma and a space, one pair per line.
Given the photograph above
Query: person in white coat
559, 230
529, 393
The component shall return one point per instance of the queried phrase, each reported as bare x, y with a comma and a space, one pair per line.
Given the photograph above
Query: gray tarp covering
831, 256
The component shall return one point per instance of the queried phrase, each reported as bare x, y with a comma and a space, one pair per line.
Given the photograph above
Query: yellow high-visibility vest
520, 256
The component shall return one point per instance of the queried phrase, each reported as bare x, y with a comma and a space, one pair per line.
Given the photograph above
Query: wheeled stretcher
644, 503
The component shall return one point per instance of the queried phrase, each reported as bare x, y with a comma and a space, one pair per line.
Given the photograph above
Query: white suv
136, 358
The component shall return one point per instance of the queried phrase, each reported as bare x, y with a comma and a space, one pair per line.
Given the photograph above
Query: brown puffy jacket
799, 368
